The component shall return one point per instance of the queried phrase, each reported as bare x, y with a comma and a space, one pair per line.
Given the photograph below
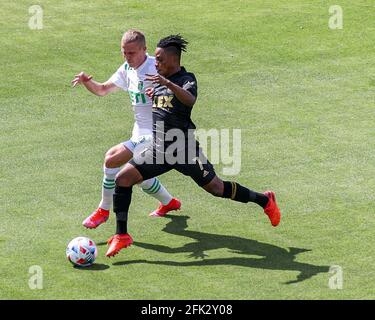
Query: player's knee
109, 161
109, 158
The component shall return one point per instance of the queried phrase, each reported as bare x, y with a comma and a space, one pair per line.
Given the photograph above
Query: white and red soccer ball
81, 252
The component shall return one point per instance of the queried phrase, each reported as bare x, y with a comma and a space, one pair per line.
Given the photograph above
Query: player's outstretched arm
100, 89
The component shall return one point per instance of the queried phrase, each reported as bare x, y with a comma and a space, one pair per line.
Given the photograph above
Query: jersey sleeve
189, 83
119, 78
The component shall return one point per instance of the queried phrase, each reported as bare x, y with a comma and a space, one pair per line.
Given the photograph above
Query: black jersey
167, 108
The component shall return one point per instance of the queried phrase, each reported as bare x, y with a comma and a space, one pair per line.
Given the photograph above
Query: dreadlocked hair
173, 43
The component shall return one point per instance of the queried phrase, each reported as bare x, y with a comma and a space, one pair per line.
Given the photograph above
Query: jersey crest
140, 85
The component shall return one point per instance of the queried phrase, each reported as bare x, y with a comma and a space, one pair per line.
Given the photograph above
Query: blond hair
133, 35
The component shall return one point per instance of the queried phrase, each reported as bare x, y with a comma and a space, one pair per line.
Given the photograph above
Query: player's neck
173, 71
143, 61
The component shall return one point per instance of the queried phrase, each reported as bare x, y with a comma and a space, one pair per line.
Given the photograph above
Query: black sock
236, 192
121, 202
121, 227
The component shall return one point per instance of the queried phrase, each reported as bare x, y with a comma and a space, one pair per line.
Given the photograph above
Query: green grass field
303, 96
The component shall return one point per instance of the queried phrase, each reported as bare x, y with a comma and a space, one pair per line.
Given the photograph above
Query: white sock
154, 188
108, 187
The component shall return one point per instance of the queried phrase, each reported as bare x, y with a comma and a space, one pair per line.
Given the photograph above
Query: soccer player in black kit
174, 95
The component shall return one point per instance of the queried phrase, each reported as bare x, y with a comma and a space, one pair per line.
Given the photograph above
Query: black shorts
190, 161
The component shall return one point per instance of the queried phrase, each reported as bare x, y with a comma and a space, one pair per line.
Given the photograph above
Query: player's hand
80, 78
150, 92
157, 78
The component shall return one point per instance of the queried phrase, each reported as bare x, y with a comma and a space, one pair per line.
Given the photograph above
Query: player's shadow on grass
268, 256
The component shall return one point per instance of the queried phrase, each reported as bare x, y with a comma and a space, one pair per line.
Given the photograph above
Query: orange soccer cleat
271, 209
118, 242
95, 219
174, 204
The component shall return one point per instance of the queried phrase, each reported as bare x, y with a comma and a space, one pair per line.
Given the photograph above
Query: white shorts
133, 143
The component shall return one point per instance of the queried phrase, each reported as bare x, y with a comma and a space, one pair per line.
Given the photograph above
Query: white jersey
133, 81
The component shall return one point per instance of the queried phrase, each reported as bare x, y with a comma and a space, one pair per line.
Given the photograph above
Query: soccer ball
81, 252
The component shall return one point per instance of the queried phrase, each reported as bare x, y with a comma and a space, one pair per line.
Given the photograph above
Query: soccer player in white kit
131, 78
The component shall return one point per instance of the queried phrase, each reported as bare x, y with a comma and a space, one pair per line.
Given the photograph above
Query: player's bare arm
181, 94
97, 88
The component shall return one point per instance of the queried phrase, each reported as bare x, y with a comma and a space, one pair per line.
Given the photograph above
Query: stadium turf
302, 95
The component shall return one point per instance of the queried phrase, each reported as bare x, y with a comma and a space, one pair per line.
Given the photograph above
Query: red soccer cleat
174, 204
95, 219
271, 209
118, 242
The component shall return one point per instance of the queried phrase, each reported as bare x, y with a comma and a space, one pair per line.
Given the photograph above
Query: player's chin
160, 72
